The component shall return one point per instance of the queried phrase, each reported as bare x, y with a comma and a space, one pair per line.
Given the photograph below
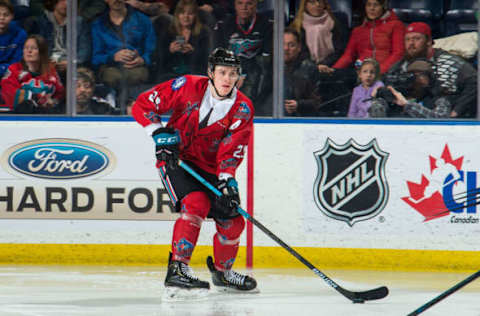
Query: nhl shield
351, 184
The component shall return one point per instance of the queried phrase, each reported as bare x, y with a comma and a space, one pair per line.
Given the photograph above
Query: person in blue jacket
12, 37
123, 40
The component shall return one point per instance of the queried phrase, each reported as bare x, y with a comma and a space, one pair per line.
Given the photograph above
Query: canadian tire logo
351, 184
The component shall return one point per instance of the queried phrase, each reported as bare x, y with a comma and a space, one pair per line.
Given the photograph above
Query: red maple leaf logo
431, 205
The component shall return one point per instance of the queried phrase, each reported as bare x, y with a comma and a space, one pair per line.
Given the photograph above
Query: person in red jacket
380, 37
209, 128
32, 86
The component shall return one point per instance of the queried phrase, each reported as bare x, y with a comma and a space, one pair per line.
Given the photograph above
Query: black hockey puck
358, 301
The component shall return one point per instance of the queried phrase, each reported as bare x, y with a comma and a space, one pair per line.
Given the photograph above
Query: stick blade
374, 294
370, 295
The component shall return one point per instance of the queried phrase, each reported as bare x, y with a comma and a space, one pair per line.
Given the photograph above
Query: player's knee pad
231, 229
196, 203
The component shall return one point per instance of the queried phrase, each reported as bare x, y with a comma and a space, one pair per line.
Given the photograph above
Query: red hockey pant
195, 207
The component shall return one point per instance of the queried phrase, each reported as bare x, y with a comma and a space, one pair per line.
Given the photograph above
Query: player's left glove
230, 199
167, 143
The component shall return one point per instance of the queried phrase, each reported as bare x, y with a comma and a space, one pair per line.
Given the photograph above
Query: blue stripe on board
256, 120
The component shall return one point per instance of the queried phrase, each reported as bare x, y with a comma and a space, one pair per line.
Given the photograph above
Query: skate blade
231, 290
175, 294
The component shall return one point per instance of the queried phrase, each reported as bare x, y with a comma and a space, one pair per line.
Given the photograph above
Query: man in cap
454, 78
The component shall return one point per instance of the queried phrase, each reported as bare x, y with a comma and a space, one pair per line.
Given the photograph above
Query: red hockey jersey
19, 85
216, 148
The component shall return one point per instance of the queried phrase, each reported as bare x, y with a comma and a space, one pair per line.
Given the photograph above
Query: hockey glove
167, 146
229, 200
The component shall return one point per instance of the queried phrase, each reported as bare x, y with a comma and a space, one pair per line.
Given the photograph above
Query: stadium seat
428, 11
460, 17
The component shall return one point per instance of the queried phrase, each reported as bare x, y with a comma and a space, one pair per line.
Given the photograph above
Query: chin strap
228, 95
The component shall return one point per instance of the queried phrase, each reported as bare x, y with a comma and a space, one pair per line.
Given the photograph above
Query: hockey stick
451, 290
355, 297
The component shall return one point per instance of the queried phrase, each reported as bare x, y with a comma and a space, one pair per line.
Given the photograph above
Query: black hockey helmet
223, 57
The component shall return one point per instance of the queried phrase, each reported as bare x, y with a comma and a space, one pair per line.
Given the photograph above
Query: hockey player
209, 128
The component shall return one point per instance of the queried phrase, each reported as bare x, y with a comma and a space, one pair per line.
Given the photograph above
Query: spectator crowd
373, 66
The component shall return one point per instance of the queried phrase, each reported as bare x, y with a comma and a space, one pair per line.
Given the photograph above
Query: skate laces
187, 271
234, 277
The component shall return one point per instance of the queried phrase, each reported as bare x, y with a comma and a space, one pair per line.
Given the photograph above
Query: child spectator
12, 37
368, 75
32, 86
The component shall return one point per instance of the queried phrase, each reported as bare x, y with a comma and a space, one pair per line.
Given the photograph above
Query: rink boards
379, 195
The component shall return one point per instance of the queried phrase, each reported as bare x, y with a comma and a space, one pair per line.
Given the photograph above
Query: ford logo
59, 158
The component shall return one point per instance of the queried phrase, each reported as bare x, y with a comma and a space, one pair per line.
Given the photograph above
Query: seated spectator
300, 78
123, 41
249, 36
52, 25
90, 9
380, 36
86, 100
368, 75
32, 86
184, 47
420, 100
320, 31
12, 37
453, 77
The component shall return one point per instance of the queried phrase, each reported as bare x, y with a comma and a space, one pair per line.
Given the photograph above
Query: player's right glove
230, 199
167, 143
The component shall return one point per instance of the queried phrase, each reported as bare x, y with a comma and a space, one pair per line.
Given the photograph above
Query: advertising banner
87, 173
393, 186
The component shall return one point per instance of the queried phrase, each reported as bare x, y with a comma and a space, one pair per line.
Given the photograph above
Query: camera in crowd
402, 82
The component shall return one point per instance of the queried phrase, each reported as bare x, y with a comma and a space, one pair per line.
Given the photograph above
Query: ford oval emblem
59, 158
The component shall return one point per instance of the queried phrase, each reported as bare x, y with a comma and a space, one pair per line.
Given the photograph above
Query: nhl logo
351, 184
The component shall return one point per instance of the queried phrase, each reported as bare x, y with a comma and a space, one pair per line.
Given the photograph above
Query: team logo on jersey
153, 117
351, 184
178, 83
229, 163
245, 47
58, 159
447, 189
243, 112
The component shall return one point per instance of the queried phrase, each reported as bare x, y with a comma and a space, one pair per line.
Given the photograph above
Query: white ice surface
132, 291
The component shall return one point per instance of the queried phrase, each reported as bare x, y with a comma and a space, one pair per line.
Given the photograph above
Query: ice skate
231, 281
181, 282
